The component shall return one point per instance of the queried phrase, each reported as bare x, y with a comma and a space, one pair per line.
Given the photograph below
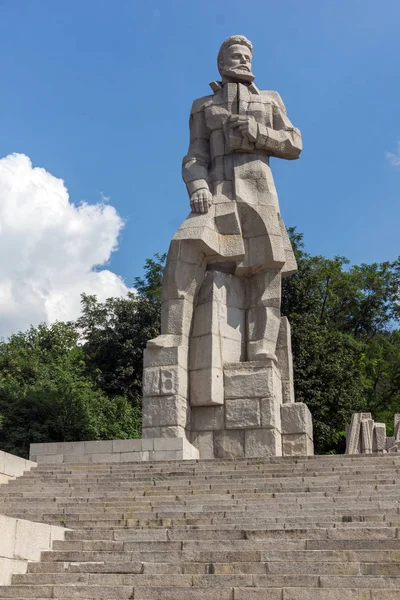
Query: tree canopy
345, 338
47, 396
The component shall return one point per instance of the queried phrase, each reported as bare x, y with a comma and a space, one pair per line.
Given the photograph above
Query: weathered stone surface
10, 567
127, 445
160, 357
97, 447
242, 413
22, 541
363, 436
312, 528
285, 360
263, 442
165, 381
367, 427
296, 418
270, 413
205, 352
7, 537
379, 437
204, 442
206, 387
232, 350
14, 466
389, 441
229, 444
165, 410
397, 428
297, 444
353, 442
161, 439
151, 382
208, 418
251, 379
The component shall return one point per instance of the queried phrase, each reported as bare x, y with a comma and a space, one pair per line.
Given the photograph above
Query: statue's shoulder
201, 103
273, 97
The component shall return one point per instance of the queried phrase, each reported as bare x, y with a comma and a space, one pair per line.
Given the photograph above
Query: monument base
252, 421
114, 451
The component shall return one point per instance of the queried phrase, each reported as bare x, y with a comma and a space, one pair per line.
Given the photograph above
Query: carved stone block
242, 413
270, 413
206, 387
252, 380
208, 418
296, 418
263, 442
297, 444
165, 411
204, 442
379, 438
229, 444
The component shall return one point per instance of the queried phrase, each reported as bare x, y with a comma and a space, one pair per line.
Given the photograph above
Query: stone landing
114, 451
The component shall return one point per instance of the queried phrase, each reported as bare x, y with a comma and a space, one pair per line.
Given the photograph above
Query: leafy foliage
46, 395
115, 334
345, 347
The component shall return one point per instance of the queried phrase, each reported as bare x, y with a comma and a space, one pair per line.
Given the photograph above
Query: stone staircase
317, 528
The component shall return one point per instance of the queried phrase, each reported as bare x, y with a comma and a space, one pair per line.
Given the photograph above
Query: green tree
46, 394
115, 333
345, 345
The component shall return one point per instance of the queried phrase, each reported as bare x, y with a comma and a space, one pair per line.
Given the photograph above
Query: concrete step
206, 580
255, 542
68, 592
321, 528
391, 569
232, 555
354, 531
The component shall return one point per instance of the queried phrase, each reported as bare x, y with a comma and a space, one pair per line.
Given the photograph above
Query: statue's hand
201, 201
247, 126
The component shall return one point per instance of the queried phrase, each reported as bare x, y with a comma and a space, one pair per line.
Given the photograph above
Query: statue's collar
216, 86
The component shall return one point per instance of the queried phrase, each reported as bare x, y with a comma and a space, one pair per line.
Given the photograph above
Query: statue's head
234, 59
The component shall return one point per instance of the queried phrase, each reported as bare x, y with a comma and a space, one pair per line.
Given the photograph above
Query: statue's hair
230, 41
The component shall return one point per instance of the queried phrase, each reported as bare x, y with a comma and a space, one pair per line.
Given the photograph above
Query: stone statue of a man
235, 224
220, 375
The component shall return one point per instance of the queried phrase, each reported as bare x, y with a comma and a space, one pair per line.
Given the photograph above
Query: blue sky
98, 93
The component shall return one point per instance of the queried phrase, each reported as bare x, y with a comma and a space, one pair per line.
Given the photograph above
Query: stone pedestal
249, 422
297, 430
165, 409
209, 393
253, 421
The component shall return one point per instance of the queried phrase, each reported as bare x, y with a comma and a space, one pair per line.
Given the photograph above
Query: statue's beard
238, 74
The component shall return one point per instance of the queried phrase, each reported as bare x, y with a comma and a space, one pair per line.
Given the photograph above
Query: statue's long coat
243, 224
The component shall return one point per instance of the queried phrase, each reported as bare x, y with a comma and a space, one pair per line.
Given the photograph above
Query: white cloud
394, 159
50, 248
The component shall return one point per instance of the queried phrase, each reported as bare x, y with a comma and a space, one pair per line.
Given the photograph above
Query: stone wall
114, 451
12, 466
22, 541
